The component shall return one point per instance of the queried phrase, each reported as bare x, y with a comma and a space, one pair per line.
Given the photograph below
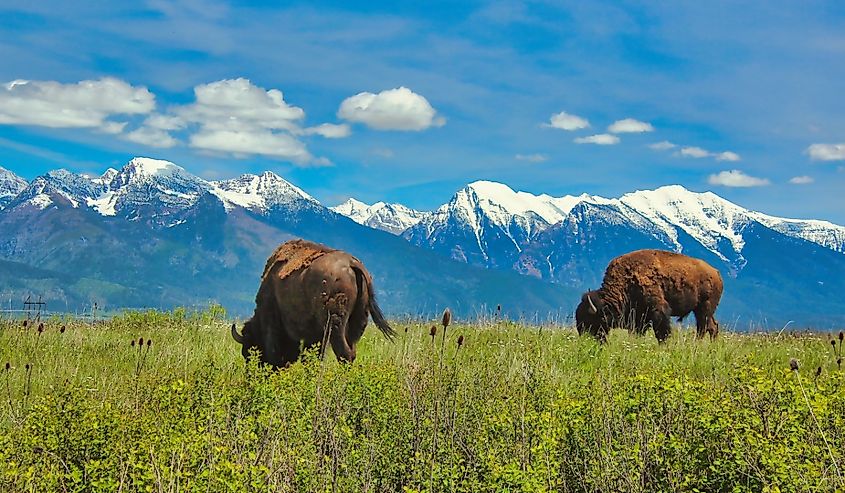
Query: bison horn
593, 308
237, 337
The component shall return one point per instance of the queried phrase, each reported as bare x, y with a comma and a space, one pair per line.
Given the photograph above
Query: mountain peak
10, 186
393, 218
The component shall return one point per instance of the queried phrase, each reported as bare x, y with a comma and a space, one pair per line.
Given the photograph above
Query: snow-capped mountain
10, 186
152, 234
260, 193
393, 218
489, 224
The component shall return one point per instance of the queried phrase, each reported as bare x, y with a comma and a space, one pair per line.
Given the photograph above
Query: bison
647, 287
310, 294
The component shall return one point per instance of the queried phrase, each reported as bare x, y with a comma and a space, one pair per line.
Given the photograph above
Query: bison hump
294, 255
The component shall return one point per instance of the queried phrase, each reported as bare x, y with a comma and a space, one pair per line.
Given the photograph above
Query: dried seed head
833, 343
793, 364
433, 331
25, 323
149, 342
447, 318
8, 366
841, 336
460, 341
818, 371
40, 328
26, 366
498, 308
838, 361
62, 330
140, 341
406, 330
132, 343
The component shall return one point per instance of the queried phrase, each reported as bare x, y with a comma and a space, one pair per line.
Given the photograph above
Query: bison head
590, 316
245, 337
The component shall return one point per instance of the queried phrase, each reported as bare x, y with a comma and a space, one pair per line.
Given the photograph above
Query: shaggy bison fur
647, 287
309, 295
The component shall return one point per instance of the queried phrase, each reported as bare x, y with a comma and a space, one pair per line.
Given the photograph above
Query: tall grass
512, 408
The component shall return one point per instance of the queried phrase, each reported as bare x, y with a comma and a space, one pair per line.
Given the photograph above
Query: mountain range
152, 234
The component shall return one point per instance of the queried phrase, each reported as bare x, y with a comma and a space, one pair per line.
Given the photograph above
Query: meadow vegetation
151, 401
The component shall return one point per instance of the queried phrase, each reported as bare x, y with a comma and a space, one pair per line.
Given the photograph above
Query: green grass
516, 408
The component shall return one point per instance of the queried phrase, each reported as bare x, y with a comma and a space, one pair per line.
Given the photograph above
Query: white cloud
152, 137
566, 121
241, 144
164, 122
85, 104
662, 146
629, 125
236, 117
393, 109
532, 158
801, 180
826, 152
329, 130
694, 152
736, 178
727, 156
599, 139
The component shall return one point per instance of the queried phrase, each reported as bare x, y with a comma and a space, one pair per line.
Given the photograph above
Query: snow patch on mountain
10, 186
260, 193
393, 218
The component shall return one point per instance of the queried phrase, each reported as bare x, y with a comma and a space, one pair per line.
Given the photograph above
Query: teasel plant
795, 367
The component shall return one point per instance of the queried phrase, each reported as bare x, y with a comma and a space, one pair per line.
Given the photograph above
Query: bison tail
372, 307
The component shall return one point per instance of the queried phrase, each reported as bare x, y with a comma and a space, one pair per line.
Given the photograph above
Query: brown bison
310, 294
647, 287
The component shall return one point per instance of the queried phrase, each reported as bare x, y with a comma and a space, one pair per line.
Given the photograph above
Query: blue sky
410, 101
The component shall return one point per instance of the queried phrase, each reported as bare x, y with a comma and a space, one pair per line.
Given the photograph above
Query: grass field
85, 407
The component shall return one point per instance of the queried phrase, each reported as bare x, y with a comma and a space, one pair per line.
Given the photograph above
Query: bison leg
705, 323
338, 321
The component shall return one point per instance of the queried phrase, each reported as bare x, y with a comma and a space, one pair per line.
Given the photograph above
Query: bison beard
310, 295
646, 288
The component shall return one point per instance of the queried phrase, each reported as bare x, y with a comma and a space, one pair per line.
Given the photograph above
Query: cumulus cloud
736, 178
329, 130
826, 152
629, 125
243, 143
152, 137
599, 139
532, 158
236, 117
727, 156
694, 152
566, 121
85, 104
801, 180
662, 146
393, 109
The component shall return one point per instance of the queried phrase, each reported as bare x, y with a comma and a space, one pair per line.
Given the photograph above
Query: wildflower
793, 364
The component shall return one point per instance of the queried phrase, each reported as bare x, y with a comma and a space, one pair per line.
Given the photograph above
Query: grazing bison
648, 287
310, 294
